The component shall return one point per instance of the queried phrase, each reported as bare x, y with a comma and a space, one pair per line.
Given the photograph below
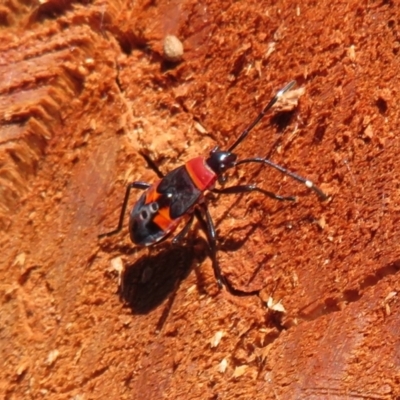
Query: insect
179, 196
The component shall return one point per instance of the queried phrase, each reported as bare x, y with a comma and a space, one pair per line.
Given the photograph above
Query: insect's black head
220, 161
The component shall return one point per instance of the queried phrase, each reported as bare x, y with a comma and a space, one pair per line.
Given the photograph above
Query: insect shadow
152, 278
282, 120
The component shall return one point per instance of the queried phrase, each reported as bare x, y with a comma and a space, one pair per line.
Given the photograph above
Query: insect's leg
184, 231
298, 178
133, 185
209, 228
152, 164
207, 223
251, 188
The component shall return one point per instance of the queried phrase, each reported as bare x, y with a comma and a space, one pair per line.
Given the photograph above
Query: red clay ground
85, 89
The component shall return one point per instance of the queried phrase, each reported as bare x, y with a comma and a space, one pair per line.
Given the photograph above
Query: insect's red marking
163, 220
201, 174
152, 194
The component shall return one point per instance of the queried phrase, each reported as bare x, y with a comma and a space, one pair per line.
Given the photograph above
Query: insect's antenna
261, 115
309, 184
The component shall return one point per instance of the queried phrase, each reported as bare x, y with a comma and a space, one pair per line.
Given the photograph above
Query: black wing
179, 189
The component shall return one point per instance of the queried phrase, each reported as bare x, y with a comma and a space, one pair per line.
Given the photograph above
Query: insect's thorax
201, 174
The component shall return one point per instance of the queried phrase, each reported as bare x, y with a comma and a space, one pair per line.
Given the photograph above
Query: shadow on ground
153, 278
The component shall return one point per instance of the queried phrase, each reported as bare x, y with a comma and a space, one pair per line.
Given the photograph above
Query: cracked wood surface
85, 92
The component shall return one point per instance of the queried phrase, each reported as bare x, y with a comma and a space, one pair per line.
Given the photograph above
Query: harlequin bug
179, 196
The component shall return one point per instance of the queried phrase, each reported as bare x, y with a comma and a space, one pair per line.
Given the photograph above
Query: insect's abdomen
150, 221
200, 173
